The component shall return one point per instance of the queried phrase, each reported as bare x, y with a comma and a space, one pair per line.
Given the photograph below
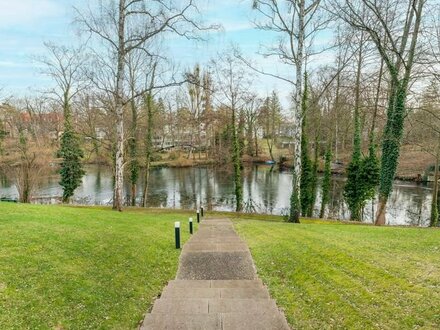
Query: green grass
79, 268
82, 268
328, 276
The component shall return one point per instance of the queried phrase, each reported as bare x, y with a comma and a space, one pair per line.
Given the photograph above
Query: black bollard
198, 216
191, 225
201, 210
177, 234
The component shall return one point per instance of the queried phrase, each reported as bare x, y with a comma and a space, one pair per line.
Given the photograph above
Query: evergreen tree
71, 167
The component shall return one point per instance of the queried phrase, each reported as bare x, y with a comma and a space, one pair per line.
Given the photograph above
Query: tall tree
296, 22
394, 29
65, 66
326, 182
306, 163
124, 26
233, 84
353, 191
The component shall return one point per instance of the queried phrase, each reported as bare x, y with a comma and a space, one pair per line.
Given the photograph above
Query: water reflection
265, 190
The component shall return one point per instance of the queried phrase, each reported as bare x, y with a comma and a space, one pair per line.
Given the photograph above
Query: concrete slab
182, 322
244, 293
228, 247
236, 283
247, 306
215, 247
173, 292
261, 321
180, 306
216, 266
190, 283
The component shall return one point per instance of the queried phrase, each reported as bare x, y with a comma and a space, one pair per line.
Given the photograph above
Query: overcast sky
26, 24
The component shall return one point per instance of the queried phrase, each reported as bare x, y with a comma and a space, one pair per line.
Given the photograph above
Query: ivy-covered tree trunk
396, 105
326, 181
353, 186
306, 164
314, 179
133, 147
236, 159
241, 134
71, 170
148, 145
391, 145
435, 200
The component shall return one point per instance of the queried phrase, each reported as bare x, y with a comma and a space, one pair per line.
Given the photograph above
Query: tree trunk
256, 143
381, 211
434, 205
119, 161
134, 165
237, 164
148, 147
295, 204
270, 147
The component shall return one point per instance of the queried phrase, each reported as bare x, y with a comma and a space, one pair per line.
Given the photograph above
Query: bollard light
201, 210
191, 225
198, 216
177, 234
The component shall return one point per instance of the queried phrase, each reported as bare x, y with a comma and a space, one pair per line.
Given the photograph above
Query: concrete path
216, 287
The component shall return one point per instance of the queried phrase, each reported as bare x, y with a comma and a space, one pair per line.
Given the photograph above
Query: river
266, 190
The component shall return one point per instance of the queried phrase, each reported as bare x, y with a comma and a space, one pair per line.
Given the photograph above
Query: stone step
190, 283
214, 239
181, 306
215, 247
182, 322
230, 321
260, 321
211, 293
234, 265
246, 306
216, 283
213, 306
237, 283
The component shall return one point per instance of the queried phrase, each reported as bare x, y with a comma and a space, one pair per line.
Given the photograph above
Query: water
266, 190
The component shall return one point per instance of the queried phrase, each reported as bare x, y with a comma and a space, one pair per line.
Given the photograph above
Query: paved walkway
216, 287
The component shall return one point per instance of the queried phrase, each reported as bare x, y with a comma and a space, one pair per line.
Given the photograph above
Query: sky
26, 24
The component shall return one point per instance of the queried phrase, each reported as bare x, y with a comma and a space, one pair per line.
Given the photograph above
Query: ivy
362, 174
307, 170
71, 170
392, 137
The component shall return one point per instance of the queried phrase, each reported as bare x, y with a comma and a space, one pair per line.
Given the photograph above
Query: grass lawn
333, 276
79, 268
82, 268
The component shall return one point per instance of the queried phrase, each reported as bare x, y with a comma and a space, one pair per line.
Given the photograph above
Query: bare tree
296, 22
233, 90
394, 29
65, 66
124, 26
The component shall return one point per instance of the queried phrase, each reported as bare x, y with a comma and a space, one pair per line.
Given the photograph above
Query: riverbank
90, 267
265, 190
413, 162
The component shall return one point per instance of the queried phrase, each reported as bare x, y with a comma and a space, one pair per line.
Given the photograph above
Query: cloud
27, 12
